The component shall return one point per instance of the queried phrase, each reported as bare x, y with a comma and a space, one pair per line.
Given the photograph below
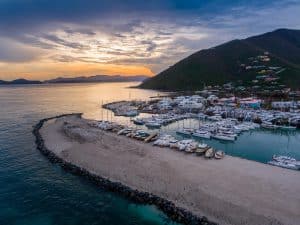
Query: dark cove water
35, 192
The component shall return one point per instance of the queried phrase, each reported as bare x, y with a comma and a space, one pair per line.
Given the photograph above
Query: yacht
268, 125
219, 155
202, 134
223, 137
287, 127
185, 131
284, 164
288, 159
137, 121
153, 124
209, 153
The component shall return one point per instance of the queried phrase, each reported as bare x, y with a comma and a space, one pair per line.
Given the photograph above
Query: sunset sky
42, 39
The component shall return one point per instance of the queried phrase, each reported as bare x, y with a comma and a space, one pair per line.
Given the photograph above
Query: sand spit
229, 191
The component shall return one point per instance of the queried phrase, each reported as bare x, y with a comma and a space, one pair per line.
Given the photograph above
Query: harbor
194, 184
247, 131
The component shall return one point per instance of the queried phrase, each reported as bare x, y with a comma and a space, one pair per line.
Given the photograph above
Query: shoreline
177, 214
185, 187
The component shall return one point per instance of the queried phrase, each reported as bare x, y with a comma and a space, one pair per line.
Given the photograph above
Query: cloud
13, 52
153, 34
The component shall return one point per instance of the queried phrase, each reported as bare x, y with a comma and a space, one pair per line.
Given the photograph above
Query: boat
121, 131
153, 124
137, 121
287, 127
288, 159
224, 137
202, 134
173, 144
202, 146
150, 137
268, 125
219, 155
131, 113
284, 164
209, 153
185, 131
201, 149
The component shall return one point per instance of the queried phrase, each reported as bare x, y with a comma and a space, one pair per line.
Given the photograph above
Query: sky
44, 39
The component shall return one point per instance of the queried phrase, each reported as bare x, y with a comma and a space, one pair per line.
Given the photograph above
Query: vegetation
222, 64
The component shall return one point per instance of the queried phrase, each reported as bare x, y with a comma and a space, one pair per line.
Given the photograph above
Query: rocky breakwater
177, 214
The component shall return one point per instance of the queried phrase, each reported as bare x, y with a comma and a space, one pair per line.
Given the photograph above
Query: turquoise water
258, 145
35, 192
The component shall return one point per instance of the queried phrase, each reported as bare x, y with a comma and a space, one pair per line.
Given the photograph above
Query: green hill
227, 63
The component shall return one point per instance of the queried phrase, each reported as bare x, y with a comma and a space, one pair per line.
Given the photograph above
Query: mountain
92, 79
98, 78
20, 81
236, 61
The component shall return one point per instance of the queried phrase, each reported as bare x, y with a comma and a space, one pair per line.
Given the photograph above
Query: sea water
35, 192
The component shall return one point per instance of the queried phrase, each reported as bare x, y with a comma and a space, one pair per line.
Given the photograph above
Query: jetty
187, 188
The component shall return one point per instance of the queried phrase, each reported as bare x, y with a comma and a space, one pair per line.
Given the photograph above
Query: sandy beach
229, 191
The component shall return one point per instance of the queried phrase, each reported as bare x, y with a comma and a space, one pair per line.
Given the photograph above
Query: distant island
268, 60
81, 79
19, 81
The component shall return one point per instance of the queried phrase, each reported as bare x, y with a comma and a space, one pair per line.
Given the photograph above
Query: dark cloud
156, 33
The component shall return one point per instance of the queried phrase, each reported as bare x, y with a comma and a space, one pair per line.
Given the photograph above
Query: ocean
34, 191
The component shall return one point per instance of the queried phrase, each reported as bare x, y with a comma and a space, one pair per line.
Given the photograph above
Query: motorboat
137, 121
223, 137
201, 149
287, 127
202, 134
219, 155
209, 153
185, 131
153, 125
268, 125
203, 146
284, 164
150, 137
288, 159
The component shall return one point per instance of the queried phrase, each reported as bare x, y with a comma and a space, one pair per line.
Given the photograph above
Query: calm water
34, 191
258, 145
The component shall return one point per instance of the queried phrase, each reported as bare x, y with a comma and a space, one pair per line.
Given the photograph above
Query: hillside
275, 55
20, 81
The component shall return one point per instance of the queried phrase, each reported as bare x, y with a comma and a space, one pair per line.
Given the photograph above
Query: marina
161, 140
185, 178
210, 121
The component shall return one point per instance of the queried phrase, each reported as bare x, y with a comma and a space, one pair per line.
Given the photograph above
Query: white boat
202, 146
287, 127
202, 134
185, 131
209, 153
268, 125
131, 113
153, 124
223, 137
286, 159
219, 155
137, 121
284, 165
